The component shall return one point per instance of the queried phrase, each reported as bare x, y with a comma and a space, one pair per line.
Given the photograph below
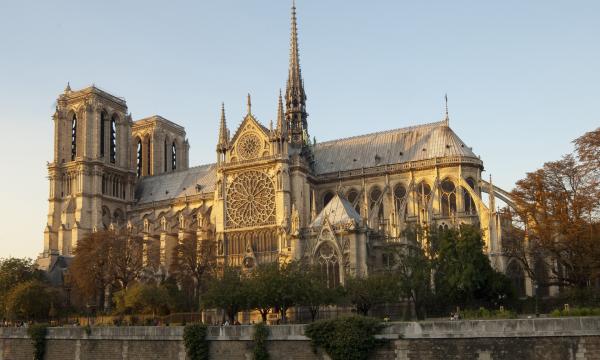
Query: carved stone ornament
251, 200
249, 146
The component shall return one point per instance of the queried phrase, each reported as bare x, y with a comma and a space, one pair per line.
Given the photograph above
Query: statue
295, 221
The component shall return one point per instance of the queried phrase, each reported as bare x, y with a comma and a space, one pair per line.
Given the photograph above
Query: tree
31, 300
313, 291
557, 216
227, 292
463, 273
13, 272
413, 275
262, 285
105, 259
142, 299
367, 292
194, 264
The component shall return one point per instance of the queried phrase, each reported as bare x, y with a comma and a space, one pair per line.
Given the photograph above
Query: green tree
312, 290
413, 275
262, 285
463, 273
228, 292
13, 272
143, 299
366, 292
31, 300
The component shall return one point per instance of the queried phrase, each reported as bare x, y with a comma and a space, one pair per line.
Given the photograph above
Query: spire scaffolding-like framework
295, 97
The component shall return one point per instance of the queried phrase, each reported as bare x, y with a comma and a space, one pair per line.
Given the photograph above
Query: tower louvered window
73, 137
113, 140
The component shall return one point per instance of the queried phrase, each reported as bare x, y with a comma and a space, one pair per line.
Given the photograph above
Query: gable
251, 141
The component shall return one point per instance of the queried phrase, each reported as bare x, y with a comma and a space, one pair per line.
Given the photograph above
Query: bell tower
91, 175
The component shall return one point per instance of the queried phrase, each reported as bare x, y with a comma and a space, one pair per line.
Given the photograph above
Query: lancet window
73, 137
399, 199
375, 203
173, 156
329, 264
113, 139
102, 132
469, 203
448, 198
352, 197
139, 163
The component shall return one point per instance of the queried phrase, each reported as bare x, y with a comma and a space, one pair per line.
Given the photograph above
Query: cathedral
272, 195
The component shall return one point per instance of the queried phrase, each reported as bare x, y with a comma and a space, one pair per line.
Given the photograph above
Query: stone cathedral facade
271, 196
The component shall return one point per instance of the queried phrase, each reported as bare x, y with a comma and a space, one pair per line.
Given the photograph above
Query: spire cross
249, 105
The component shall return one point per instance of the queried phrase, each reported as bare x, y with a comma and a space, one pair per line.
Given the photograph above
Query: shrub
483, 313
346, 338
37, 333
576, 311
196, 345
261, 333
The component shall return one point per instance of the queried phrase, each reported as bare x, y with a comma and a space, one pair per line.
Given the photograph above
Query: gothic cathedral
272, 195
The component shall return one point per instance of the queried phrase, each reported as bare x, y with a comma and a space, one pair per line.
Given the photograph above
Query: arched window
469, 203
73, 137
423, 191
173, 156
113, 139
165, 152
399, 198
448, 197
102, 132
329, 264
139, 158
352, 197
327, 198
375, 201
148, 156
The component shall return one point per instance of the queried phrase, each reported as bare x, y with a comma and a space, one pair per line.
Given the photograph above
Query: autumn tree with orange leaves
557, 211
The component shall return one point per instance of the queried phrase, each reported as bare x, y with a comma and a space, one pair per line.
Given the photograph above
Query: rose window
249, 146
251, 200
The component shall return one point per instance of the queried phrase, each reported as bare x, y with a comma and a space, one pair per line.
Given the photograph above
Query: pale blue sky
522, 77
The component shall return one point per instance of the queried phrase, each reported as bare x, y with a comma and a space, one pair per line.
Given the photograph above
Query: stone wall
553, 339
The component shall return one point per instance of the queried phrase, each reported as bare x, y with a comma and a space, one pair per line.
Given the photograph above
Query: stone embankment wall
565, 338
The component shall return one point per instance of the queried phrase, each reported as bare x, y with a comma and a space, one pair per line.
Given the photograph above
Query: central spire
295, 97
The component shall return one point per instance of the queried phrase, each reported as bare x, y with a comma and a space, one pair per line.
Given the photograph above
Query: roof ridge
404, 129
178, 171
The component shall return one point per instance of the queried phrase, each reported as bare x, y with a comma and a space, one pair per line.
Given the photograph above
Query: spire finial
447, 117
223, 131
68, 88
249, 105
295, 97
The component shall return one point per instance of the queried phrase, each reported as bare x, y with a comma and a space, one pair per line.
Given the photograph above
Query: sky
521, 76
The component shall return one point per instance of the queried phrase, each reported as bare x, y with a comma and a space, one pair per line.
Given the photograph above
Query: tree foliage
13, 272
228, 292
31, 300
105, 258
557, 216
193, 266
143, 299
463, 273
366, 292
196, 345
347, 338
